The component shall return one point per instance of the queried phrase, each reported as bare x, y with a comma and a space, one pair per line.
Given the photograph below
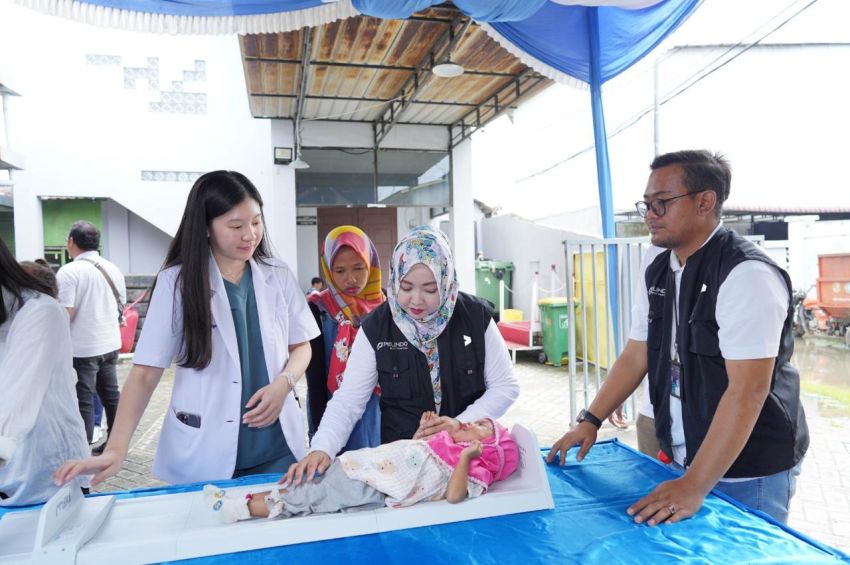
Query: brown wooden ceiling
364, 69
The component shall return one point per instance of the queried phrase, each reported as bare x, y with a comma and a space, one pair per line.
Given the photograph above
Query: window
336, 177
339, 177
413, 178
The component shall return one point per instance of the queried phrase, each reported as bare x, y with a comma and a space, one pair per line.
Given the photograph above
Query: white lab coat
187, 454
40, 423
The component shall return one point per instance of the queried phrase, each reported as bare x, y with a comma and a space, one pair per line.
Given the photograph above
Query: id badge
676, 379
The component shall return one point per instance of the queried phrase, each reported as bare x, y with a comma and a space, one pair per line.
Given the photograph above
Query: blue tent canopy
552, 34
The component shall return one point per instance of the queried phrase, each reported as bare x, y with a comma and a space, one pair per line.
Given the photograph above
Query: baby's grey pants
331, 492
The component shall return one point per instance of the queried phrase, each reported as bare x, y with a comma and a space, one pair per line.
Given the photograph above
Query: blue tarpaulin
560, 36
481, 10
589, 525
207, 8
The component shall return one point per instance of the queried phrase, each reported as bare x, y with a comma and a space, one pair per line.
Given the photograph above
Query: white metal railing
621, 259
604, 309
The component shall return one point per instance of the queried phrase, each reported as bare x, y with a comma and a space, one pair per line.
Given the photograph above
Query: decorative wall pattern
175, 100
103, 60
171, 176
149, 73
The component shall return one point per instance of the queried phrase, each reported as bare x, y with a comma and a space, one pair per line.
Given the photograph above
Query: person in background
40, 425
712, 328
92, 289
352, 268
238, 326
39, 270
430, 348
316, 286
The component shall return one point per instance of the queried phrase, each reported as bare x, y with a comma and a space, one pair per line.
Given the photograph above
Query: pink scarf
499, 455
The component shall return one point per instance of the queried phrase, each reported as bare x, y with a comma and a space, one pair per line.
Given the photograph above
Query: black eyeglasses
659, 205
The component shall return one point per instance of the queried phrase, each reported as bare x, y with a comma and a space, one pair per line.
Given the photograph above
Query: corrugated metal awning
365, 69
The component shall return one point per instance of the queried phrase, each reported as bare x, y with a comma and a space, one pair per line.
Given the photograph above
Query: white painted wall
85, 134
132, 243
341, 134
308, 246
29, 227
336, 134
531, 248
410, 217
280, 200
115, 234
148, 246
417, 137
587, 221
443, 222
463, 216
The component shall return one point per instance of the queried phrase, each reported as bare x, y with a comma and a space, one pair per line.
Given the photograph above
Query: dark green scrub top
256, 445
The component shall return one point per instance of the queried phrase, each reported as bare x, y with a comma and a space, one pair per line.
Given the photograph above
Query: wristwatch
587, 416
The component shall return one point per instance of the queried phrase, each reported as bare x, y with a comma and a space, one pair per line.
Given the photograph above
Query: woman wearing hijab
430, 348
352, 270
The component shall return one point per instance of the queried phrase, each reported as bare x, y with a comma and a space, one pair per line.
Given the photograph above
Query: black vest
780, 436
406, 390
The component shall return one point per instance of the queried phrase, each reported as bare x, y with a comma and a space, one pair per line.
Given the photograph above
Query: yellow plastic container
585, 310
511, 315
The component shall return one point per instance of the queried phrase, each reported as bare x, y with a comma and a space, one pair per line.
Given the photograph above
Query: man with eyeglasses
712, 328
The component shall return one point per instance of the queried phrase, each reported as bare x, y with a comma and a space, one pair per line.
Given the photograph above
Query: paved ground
820, 509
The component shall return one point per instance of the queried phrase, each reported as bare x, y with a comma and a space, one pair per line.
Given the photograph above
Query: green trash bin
487, 277
555, 324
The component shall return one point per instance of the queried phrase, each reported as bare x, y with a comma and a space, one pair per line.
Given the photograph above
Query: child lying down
455, 466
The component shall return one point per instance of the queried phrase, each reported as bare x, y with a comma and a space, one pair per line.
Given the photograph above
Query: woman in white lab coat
238, 326
40, 425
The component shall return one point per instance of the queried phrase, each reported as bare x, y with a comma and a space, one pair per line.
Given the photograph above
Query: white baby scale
72, 529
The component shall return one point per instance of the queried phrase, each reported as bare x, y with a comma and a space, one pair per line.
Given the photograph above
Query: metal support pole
584, 332
603, 169
596, 364
571, 314
501, 299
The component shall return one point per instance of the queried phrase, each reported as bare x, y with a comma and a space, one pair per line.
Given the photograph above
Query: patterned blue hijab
431, 248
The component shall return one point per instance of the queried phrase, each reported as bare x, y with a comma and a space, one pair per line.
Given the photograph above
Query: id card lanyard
675, 363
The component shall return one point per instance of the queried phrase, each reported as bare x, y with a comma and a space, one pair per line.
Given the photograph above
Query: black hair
212, 195
315, 280
703, 170
15, 280
85, 235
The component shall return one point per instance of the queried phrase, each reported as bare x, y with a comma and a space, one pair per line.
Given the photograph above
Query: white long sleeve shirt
361, 376
40, 423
